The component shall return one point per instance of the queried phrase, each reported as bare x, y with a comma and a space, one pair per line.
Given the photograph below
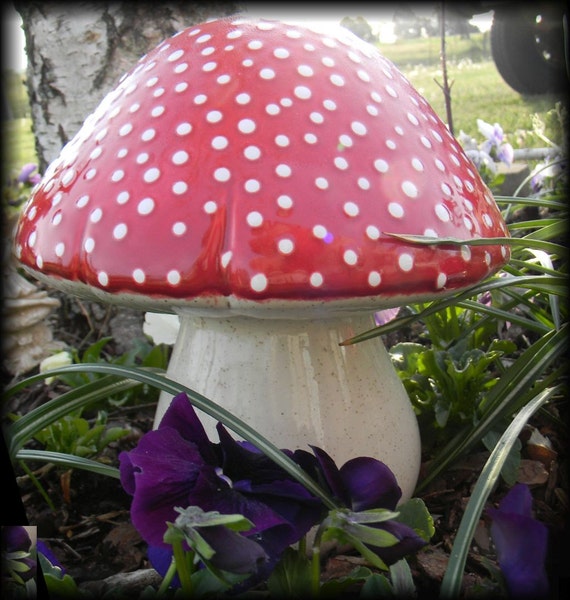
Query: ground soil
89, 527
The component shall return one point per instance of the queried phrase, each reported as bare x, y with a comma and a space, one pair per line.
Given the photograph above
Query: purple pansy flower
521, 544
177, 465
365, 483
545, 174
495, 136
17, 564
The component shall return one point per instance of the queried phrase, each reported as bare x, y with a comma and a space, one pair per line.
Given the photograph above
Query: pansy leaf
291, 578
345, 537
207, 583
371, 535
402, 580
351, 523
374, 515
194, 516
415, 514
59, 585
376, 586
20, 566
174, 533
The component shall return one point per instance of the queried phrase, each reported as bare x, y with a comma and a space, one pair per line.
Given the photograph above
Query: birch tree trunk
77, 52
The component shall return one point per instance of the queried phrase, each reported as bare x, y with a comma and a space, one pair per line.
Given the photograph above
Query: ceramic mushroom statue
246, 175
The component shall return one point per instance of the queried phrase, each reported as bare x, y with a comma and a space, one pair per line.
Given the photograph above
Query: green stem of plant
316, 559
184, 573
38, 485
167, 578
316, 571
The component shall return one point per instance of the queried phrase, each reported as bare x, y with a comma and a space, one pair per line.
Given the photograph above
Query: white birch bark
77, 52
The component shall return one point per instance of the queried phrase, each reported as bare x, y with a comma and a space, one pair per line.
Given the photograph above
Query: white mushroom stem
292, 382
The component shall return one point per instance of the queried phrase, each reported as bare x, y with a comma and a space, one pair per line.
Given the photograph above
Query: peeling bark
77, 52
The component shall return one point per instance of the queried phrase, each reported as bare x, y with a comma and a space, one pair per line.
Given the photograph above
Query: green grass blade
519, 267
161, 382
532, 224
549, 203
70, 461
535, 241
451, 584
548, 232
527, 370
503, 315
538, 283
26, 427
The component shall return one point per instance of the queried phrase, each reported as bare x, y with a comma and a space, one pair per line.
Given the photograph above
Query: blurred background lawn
478, 91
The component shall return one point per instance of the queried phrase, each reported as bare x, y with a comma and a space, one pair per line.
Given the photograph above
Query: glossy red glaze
261, 160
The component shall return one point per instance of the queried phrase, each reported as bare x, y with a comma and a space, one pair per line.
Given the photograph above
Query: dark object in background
529, 43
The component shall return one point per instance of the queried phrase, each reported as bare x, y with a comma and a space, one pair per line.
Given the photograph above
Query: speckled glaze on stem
291, 381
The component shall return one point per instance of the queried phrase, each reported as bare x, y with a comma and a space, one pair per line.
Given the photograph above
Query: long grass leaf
529, 241
27, 426
523, 266
532, 224
503, 315
170, 386
70, 461
451, 584
542, 283
548, 232
549, 203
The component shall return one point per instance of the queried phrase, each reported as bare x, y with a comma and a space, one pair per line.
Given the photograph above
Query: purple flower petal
15, 538
234, 552
332, 476
370, 484
160, 473
26, 172
506, 154
160, 559
521, 544
182, 417
241, 461
176, 465
385, 316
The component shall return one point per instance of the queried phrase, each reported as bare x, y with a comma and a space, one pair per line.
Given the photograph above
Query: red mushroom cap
248, 162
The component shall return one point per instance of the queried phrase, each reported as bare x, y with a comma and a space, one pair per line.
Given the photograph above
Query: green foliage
292, 576
447, 386
75, 435
143, 353
187, 528
58, 585
415, 514
466, 349
478, 89
426, 50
